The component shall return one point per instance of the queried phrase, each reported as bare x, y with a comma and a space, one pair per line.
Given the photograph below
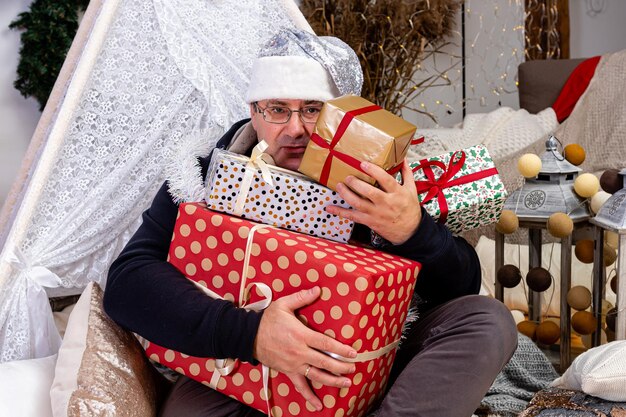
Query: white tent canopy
141, 79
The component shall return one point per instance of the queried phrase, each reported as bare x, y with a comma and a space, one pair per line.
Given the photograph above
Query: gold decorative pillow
101, 368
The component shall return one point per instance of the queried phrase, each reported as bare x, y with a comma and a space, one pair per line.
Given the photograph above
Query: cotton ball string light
610, 255
587, 340
611, 316
529, 165
538, 279
583, 322
586, 185
547, 332
508, 222
574, 153
518, 316
610, 335
579, 298
606, 307
509, 276
611, 239
527, 328
555, 320
560, 225
598, 200
584, 251
610, 181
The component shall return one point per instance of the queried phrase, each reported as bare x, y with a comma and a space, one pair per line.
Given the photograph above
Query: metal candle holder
551, 191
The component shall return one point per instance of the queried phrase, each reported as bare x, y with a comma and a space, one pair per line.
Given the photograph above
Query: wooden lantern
551, 191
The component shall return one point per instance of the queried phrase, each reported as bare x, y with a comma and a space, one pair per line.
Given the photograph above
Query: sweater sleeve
450, 265
149, 296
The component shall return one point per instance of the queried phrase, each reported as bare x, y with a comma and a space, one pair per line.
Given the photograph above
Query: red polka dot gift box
364, 302
253, 189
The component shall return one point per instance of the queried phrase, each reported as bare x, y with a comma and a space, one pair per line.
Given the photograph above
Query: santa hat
295, 64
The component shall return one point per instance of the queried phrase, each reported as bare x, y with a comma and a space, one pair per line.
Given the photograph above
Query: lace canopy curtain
152, 76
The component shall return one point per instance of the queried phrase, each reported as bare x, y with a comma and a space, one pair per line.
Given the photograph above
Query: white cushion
25, 387
600, 371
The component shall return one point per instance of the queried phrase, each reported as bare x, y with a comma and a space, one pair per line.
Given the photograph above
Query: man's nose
295, 126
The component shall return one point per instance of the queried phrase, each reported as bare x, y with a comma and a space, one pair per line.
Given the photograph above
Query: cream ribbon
46, 340
367, 356
224, 368
258, 161
40, 275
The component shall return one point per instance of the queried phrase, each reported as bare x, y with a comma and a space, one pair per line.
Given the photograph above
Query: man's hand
285, 344
393, 211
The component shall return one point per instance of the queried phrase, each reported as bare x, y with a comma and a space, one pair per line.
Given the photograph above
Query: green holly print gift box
461, 189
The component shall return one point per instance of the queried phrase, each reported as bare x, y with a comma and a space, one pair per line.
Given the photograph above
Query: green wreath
49, 28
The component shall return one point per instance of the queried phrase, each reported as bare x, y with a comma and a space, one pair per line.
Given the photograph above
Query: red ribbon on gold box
349, 130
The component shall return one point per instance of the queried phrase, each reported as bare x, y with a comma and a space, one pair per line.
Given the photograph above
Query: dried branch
391, 38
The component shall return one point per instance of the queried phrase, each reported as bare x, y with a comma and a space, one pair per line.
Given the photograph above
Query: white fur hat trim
290, 77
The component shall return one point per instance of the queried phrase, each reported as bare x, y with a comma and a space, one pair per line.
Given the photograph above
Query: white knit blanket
504, 132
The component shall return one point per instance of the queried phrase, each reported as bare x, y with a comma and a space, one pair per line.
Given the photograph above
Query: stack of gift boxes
263, 233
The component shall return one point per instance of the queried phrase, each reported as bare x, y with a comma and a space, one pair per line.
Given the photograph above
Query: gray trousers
445, 366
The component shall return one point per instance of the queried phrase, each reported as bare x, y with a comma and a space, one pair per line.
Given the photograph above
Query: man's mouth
294, 149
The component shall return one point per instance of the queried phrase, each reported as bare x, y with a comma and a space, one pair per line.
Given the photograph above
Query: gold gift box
351, 129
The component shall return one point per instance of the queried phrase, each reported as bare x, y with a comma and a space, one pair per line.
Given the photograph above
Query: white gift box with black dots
292, 201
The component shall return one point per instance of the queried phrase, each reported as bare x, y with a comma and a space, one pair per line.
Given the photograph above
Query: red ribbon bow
434, 187
333, 153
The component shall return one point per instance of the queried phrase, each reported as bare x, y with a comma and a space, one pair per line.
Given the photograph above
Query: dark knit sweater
147, 295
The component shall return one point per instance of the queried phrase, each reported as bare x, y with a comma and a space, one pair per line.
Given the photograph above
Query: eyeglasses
282, 114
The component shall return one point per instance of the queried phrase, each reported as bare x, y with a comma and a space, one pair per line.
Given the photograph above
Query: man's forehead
286, 102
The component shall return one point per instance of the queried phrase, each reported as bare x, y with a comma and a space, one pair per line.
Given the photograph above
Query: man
451, 354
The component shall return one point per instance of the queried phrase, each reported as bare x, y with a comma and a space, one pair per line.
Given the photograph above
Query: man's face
286, 141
